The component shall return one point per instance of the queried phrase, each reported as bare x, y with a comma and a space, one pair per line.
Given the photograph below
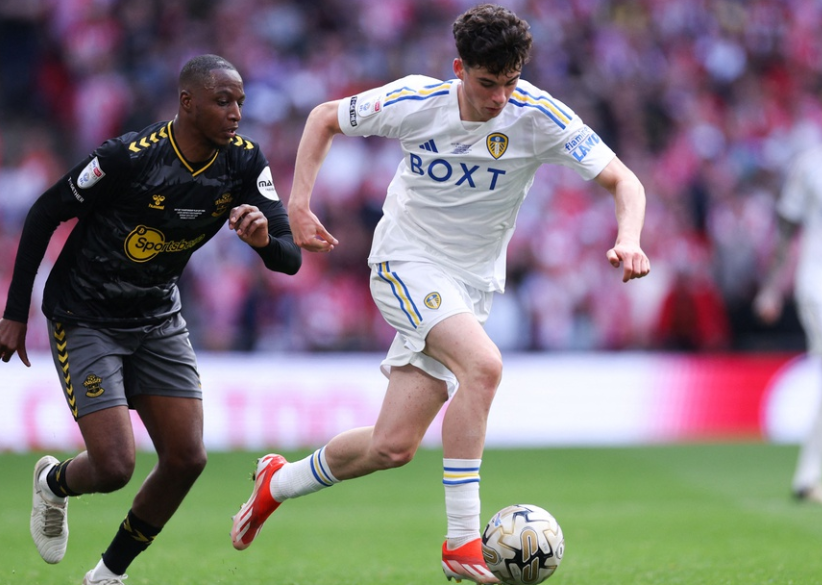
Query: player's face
217, 108
482, 95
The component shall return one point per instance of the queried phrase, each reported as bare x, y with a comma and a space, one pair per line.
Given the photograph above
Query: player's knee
186, 465
394, 459
198, 462
485, 375
390, 457
113, 476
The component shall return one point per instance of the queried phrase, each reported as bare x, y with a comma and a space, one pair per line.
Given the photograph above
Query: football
522, 545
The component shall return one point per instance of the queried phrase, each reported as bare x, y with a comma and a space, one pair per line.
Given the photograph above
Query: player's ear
185, 100
458, 68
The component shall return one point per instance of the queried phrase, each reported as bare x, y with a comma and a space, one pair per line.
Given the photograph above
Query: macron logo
429, 146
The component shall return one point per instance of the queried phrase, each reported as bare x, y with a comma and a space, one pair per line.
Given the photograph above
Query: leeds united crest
497, 144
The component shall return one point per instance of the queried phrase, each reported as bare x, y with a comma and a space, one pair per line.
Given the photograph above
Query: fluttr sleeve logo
144, 243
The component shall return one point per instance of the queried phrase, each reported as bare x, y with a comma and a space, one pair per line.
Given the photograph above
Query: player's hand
635, 263
308, 232
13, 339
251, 225
768, 305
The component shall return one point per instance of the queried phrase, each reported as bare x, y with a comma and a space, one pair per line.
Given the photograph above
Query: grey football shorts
103, 368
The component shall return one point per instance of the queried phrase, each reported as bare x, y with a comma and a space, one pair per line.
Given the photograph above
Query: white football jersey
801, 202
457, 191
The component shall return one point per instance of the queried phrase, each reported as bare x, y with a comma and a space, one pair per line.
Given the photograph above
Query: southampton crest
93, 386
497, 144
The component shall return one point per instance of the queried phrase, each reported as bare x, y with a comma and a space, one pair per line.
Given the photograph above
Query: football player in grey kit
799, 215
471, 147
144, 203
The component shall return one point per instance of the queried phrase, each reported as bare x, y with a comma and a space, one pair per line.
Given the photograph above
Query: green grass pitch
714, 514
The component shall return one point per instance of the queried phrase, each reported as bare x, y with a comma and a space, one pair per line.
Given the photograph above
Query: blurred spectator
707, 101
693, 315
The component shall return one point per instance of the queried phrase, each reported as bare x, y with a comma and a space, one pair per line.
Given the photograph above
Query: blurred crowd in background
708, 101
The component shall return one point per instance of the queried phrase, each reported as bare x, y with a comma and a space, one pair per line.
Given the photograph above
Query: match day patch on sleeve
265, 185
369, 106
365, 105
90, 175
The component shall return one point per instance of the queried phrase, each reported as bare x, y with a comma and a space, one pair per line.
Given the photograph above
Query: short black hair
197, 71
494, 38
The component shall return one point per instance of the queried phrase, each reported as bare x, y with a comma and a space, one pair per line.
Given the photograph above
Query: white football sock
461, 479
101, 572
302, 477
45, 490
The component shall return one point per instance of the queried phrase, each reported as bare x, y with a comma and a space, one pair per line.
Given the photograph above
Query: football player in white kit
799, 212
471, 147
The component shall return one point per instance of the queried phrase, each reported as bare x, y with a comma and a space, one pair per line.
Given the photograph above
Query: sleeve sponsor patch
582, 143
90, 174
265, 185
352, 111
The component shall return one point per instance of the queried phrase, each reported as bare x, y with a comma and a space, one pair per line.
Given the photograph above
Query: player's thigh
411, 403
175, 424
420, 297
164, 387
109, 438
462, 345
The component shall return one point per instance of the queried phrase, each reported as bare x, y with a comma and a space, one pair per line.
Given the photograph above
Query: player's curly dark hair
494, 38
197, 71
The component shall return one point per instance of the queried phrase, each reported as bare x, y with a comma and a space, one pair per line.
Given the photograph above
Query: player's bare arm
13, 339
320, 129
629, 197
250, 224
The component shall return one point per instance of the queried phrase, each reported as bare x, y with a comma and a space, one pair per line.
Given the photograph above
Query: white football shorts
415, 296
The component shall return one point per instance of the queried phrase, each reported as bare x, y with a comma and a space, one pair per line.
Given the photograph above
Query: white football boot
49, 516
